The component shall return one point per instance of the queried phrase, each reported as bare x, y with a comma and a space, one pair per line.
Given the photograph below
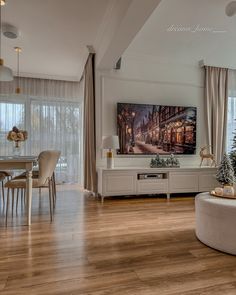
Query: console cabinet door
119, 183
152, 186
183, 182
207, 181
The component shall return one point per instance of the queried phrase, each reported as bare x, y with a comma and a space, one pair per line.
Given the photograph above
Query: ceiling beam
123, 22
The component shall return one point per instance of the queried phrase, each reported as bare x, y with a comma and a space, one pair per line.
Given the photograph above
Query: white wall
148, 81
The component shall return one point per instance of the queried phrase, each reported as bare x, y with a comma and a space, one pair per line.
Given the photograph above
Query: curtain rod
202, 64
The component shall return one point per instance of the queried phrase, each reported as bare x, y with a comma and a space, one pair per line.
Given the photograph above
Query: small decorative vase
228, 190
16, 149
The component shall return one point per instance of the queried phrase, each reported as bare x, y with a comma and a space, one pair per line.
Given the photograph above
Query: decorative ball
219, 191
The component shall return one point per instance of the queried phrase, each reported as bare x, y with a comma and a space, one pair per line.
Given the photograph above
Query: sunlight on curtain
51, 124
11, 114
231, 123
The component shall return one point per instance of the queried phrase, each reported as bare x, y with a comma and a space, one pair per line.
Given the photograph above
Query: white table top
159, 169
18, 159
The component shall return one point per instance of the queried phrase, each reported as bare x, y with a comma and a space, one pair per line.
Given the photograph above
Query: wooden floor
132, 246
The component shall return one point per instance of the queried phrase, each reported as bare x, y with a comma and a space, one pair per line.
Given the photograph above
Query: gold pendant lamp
18, 50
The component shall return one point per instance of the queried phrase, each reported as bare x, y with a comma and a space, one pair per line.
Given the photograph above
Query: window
231, 124
11, 114
57, 125
51, 124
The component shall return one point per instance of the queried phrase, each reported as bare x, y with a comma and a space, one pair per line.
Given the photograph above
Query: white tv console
126, 181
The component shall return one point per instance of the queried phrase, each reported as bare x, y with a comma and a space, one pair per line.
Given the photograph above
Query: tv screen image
150, 129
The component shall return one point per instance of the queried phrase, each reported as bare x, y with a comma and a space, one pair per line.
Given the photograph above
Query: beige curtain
90, 176
216, 99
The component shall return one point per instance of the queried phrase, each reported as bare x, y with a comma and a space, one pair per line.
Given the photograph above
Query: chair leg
3, 196
2, 200
7, 204
53, 196
22, 195
50, 197
40, 192
12, 202
54, 185
17, 198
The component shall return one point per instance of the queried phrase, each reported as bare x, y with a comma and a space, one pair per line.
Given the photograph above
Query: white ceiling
217, 46
54, 35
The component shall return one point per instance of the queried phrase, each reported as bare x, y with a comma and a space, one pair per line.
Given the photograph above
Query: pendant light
18, 50
5, 72
230, 9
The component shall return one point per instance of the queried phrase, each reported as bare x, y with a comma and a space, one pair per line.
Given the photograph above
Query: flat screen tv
150, 129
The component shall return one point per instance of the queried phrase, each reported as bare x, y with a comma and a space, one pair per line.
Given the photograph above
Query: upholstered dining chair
47, 162
35, 174
8, 174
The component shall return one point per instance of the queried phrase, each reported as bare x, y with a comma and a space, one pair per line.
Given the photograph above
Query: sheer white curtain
231, 123
57, 125
232, 83
231, 115
51, 112
12, 113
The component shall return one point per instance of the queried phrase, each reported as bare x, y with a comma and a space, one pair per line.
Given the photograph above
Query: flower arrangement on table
17, 136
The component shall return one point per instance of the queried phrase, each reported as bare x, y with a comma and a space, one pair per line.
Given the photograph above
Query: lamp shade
5, 73
111, 142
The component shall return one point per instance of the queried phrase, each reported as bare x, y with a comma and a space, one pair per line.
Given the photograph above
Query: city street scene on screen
151, 129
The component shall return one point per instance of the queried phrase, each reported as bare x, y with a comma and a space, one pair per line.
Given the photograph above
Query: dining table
22, 163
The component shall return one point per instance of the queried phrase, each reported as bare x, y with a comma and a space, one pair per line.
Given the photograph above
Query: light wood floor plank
128, 246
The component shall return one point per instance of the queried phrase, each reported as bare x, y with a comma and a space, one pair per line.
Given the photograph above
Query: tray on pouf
213, 193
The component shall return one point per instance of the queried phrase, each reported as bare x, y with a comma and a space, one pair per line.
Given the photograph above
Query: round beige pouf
216, 222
